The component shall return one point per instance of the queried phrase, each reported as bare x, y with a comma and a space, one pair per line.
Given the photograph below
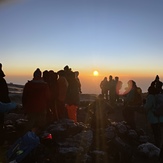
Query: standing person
132, 101
157, 84
72, 97
104, 88
62, 91
50, 77
156, 122
53, 86
118, 87
67, 70
45, 76
4, 97
78, 80
4, 93
35, 100
112, 90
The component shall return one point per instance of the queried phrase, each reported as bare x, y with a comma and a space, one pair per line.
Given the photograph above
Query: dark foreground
87, 141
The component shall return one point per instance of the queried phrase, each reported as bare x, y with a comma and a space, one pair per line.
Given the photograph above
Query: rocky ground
84, 142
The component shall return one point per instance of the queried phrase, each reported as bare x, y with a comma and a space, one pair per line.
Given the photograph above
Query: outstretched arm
6, 107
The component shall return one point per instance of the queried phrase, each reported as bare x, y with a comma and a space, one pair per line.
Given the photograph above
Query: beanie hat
37, 73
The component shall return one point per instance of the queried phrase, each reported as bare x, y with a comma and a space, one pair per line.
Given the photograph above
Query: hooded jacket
149, 107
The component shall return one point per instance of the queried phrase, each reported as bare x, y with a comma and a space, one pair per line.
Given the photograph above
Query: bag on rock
22, 147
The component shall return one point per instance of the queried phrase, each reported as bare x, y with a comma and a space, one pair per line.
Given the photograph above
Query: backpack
22, 147
158, 111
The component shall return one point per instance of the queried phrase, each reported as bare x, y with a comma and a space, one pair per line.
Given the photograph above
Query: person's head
134, 84
0, 66
37, 74
116, 78
61, 73
76, 73
46, 75
66, 68
157, 77
53, 75
131, 84
110, 77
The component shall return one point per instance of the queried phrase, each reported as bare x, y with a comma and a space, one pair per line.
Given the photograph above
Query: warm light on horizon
90, 78
95, 73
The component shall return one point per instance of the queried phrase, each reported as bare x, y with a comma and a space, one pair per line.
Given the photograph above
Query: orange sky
113, 37
90, 83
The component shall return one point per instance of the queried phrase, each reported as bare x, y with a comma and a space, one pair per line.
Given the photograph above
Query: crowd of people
110, 89
52, 96
133, 101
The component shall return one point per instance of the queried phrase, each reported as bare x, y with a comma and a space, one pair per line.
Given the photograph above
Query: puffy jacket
36, 96
149, 107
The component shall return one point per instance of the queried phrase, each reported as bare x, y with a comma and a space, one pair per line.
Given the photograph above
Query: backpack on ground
158, 111
22, 147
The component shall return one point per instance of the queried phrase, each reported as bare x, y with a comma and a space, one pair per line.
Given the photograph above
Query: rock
148, 150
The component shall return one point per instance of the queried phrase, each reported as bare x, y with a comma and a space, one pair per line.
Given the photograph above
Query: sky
121, 38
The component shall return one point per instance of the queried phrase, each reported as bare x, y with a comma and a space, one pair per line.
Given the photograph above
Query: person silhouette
132, 101
157, 84
117, 89
4, 98
112, 90
62, 92
53, 76
156, 122
78, 80
72, 96
35, 100
104, 88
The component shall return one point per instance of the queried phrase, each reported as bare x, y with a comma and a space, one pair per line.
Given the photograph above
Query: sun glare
95, 73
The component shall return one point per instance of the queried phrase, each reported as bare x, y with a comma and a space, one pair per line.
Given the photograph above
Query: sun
95, 73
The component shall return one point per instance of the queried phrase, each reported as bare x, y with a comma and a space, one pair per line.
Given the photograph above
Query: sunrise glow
95, 73
88, 36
